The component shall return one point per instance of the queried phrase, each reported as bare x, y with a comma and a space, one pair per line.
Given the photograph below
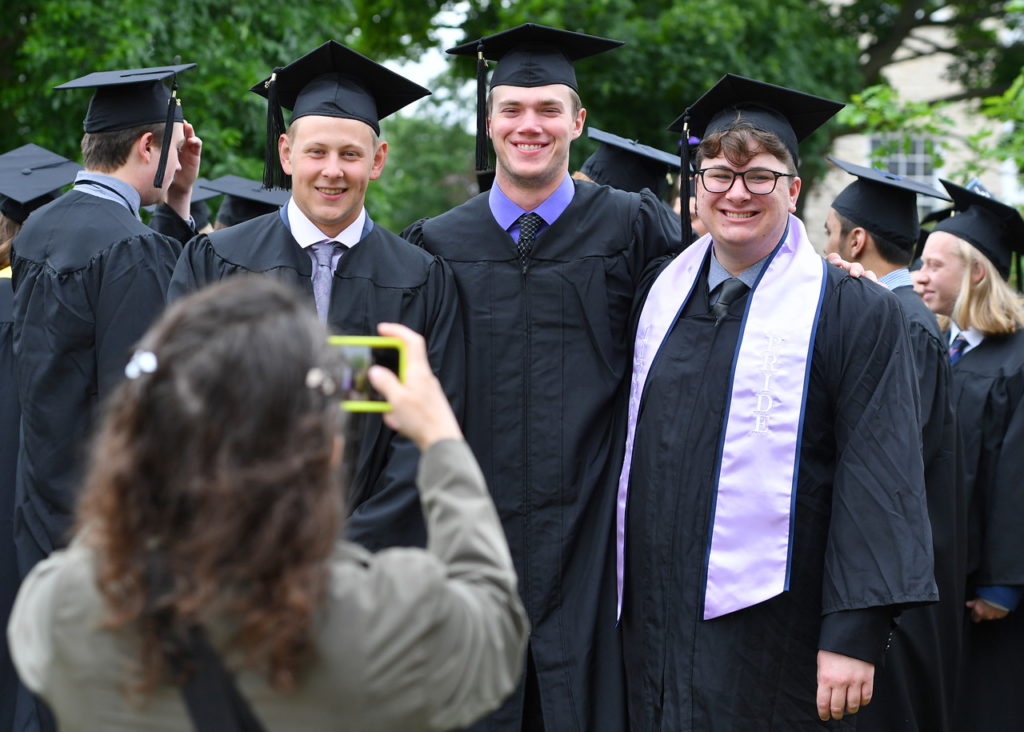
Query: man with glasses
771, 515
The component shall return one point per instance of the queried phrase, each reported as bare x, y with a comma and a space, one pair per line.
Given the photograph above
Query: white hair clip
142, 362
317, 378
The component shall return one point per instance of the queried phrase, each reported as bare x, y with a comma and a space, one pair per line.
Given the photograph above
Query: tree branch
881, 53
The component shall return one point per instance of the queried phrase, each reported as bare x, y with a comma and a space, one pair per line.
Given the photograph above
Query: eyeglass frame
742, 174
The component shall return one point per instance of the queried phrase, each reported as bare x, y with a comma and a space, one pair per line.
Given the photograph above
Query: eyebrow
542, 103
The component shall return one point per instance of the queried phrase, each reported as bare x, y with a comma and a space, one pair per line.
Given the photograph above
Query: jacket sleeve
448, 643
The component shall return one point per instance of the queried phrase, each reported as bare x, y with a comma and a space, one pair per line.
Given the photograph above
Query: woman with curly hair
212, 511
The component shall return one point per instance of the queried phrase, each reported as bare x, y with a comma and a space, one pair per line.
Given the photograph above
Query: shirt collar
897, 278
306, 233
506, 212
972, 335
126, 195
717, 274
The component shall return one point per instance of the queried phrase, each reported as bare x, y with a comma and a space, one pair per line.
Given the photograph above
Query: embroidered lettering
764, 399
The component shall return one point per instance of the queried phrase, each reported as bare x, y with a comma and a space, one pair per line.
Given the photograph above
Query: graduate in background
628, 165
546, 268
772, 516
874, 221
352, 271
89, 278
966, 262
30, 177
244, 199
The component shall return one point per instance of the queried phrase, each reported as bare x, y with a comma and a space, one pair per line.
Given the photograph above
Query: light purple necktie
323, 276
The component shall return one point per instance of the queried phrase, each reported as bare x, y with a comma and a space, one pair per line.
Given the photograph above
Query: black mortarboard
332, 80
245, 199
627, 164
792, 115
129, 98
527, 55
993, 227
29, 177
883, 203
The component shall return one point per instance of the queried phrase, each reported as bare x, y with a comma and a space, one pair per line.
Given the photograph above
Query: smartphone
361, 352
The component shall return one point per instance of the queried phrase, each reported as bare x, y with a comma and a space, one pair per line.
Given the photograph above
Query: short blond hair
989, 305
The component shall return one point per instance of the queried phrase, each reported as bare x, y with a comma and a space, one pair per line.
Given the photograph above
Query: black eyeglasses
757, 180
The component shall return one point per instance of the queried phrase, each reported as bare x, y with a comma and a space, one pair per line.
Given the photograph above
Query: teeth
529, 147
331, 191
731, 215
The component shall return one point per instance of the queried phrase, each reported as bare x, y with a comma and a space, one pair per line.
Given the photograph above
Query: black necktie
529, 224
731, 291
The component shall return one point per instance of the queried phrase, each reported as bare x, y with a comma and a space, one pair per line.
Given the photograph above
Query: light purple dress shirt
507, 213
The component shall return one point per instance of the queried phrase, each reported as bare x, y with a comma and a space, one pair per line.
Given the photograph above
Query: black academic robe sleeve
387, 512
166, 221
1000, 500
878, 495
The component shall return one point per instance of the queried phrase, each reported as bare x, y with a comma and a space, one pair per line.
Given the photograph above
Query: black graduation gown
988, 388
9, 421
861, 543
381, 279
548, 356
89, 279
916, 687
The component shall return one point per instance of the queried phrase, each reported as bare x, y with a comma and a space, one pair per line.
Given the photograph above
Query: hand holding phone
420, 410
362, 352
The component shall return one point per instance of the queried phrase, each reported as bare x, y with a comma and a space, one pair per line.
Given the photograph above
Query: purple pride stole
748, 554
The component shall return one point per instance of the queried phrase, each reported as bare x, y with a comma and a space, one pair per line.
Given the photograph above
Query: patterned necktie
732, 290
956, 349
529, 225
322, 277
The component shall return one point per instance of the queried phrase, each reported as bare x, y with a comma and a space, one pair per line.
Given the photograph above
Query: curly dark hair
223, 463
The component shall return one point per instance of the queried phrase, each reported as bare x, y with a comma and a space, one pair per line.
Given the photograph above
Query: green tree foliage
676, 49
234, 44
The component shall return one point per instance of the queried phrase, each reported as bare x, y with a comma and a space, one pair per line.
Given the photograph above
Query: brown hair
220, 463
740, 142
988, 305
107, 151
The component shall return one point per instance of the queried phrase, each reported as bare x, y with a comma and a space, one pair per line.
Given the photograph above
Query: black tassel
165, 148
273, 173
684, 183
484, 175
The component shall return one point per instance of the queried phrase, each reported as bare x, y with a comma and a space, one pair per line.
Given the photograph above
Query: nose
529, 121
738, 189
332, 166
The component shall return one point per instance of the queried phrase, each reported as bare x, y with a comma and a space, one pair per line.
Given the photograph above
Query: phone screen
360, 353
356, 380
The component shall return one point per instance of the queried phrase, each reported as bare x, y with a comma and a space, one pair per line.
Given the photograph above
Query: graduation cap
883, 203
332, 80
791, 115
992, 227
129, 98
528, 55
244, 199
627, 164
30, 176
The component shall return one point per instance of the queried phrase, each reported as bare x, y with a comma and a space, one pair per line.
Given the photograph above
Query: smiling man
771, 503
546, 268
354, 272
